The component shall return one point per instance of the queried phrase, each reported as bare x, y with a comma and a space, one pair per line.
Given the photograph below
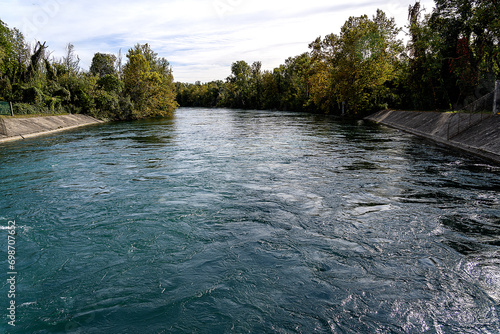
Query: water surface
229, 221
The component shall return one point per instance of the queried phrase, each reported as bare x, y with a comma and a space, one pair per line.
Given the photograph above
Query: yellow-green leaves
355, 65
149, 83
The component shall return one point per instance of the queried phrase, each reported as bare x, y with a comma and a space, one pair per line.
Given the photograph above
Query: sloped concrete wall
475, 133
20, 128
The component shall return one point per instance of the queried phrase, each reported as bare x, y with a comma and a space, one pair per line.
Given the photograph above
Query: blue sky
200, 38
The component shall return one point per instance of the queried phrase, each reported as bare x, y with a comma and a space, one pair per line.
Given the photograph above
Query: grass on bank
33, 115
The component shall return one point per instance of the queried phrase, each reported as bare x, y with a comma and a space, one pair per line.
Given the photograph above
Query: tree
359, 62
148, 81
103, 64
322, 91
255, 96
71, 61
297, 71
454, 53
14, 58
422, 78
157, 64
37, 84
469, 34
5, 61
270, 93
239, 84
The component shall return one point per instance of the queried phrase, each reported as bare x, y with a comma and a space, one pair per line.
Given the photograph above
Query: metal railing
484, 103
474, 113
463, 122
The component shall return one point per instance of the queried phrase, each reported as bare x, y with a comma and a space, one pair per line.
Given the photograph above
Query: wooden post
496, 99
11, 109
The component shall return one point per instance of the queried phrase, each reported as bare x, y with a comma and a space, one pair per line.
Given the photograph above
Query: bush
63, 94
32, 95
5, 89
24, 109
110, 83
53, 104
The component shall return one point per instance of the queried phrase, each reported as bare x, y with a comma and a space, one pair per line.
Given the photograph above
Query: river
231, 221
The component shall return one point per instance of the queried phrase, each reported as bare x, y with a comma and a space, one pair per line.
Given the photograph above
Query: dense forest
35, 83
452, 57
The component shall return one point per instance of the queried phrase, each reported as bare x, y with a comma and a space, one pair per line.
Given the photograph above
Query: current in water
230, 221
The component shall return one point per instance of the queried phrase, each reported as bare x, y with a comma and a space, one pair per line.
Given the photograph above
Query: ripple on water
230, 221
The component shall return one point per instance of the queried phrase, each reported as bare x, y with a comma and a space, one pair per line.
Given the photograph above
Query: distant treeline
35, 83
451, 59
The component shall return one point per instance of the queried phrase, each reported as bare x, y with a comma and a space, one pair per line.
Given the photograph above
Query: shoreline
13, 129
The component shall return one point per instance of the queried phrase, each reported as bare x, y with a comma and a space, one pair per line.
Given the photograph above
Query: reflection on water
230, 221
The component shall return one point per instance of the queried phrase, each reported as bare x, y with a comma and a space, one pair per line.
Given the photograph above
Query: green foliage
106, 104
25, 109
454, 53
37, 84
103, 64
6, 51
148, 80
14, 56
5, 89
32, 95
295, 83
358, 63
81, 88
158, 65
356, 67
240, 84
452, 57
71, 62
209, 95
110, 83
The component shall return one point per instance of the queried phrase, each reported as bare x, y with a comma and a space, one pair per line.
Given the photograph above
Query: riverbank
478, 134
12, 129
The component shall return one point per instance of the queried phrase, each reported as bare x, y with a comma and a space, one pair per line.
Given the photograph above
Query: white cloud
200, 38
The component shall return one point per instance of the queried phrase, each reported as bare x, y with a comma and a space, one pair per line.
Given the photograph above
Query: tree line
37, 83
451, 59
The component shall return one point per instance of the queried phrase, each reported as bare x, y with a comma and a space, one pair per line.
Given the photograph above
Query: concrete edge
8, 139
460, 146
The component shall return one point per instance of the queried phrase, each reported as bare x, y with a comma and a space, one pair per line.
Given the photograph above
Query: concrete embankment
478, 134
21, 128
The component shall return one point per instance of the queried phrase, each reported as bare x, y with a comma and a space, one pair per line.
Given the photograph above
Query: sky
200, 38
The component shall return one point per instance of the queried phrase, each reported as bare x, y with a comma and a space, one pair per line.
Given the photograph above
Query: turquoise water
229, 221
